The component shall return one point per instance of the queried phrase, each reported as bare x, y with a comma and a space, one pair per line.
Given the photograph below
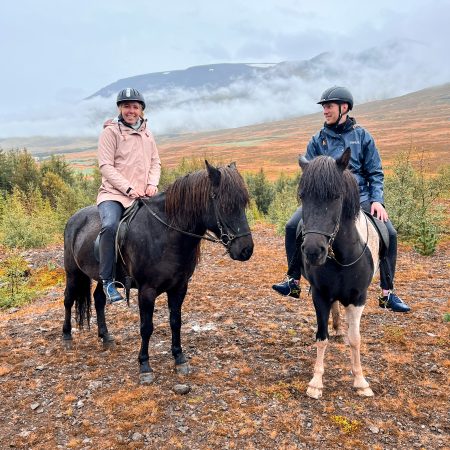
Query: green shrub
261, 190
14, 290
412, 200
28, 221
283, 206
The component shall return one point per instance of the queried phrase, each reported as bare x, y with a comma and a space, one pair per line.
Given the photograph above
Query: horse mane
323, 181
187, 199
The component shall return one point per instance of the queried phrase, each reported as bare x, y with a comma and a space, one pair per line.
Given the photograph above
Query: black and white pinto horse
160, 251
340, 255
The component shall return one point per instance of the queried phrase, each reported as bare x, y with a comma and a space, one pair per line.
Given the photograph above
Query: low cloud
289, 90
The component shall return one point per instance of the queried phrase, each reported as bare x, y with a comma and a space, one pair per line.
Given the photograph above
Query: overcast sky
55, 53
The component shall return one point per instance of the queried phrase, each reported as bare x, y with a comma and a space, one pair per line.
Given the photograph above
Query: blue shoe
111, 292
288, 287
392, 301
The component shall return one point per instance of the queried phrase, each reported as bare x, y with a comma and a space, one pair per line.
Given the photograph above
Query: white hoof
314, 392
365, 392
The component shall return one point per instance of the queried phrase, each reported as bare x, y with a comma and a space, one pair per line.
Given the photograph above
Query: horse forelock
187, 199
323, 181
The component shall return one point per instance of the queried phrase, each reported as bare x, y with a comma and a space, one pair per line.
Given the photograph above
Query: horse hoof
146, 378
67, 341
314, 392
365, 392
108, 341
183, 369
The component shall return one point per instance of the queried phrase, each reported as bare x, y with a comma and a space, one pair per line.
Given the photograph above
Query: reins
226, 236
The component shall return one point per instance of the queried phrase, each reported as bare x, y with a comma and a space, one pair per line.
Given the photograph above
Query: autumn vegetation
37, 198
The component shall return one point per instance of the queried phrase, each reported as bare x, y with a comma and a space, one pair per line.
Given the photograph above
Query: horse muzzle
241, 249
315, 255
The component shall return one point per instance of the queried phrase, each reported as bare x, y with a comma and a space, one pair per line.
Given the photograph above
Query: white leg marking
315, 386
353, 314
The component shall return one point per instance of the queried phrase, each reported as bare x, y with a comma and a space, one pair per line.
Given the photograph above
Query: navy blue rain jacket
365, 162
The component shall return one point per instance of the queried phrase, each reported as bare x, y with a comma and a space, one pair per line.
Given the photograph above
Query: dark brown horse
160, 251
340, 255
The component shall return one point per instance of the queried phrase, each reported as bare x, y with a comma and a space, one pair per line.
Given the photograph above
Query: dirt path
252, 354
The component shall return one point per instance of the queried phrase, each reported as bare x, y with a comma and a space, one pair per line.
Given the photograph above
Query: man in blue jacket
338, 133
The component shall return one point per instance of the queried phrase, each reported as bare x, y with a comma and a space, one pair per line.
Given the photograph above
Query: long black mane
324, 181
188, 197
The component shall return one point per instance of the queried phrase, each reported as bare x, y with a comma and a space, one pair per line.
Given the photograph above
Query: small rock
40, 367
35, 405
80, 404
183, 429
24, 434
374, 429
40, 410
181, 389
137, 436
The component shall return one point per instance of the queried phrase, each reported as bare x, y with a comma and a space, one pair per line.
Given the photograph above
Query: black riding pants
293, 250
110, 213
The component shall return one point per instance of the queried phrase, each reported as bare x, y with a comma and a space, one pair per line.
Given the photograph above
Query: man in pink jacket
130, 166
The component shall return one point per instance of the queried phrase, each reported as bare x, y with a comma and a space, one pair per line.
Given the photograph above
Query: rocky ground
252, 354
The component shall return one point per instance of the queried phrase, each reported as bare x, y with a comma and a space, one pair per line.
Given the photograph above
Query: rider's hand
136, 193
377, 210
151, 190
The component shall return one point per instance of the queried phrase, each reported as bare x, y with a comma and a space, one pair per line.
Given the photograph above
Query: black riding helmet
337, 94
130, 95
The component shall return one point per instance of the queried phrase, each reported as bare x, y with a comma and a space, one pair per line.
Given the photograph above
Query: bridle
227, 234
331, 237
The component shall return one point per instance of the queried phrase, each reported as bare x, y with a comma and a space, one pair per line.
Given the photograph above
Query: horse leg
100, 303
322, 308
175, 300
338, 325
146, 298
353, 314
69, 300
78, 292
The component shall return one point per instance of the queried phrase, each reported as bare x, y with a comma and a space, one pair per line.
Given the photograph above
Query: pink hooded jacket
127, 159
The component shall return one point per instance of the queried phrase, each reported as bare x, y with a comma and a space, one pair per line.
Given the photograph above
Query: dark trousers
110, 213
294, 254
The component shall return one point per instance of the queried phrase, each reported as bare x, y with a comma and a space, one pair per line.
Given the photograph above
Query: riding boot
111, 292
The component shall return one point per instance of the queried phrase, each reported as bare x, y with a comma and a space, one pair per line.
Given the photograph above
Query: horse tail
78, 289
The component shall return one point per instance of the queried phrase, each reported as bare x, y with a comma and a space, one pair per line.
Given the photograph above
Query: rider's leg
110, 213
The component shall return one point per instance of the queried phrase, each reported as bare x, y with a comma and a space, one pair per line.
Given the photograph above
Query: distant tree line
36, 199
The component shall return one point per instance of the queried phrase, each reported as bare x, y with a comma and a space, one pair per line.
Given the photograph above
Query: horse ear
213, 173
232, 165
302, 162
343, 161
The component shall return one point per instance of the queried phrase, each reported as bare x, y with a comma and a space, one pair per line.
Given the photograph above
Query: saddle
382, 231
122, 229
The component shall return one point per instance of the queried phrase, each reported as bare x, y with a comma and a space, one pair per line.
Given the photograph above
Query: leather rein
227, 236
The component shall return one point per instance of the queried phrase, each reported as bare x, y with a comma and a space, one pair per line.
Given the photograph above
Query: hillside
418, 121
415, 121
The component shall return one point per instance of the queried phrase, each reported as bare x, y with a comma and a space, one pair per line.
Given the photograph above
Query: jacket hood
116, 123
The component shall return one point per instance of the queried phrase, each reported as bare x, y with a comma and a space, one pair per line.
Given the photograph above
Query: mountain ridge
418, 121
